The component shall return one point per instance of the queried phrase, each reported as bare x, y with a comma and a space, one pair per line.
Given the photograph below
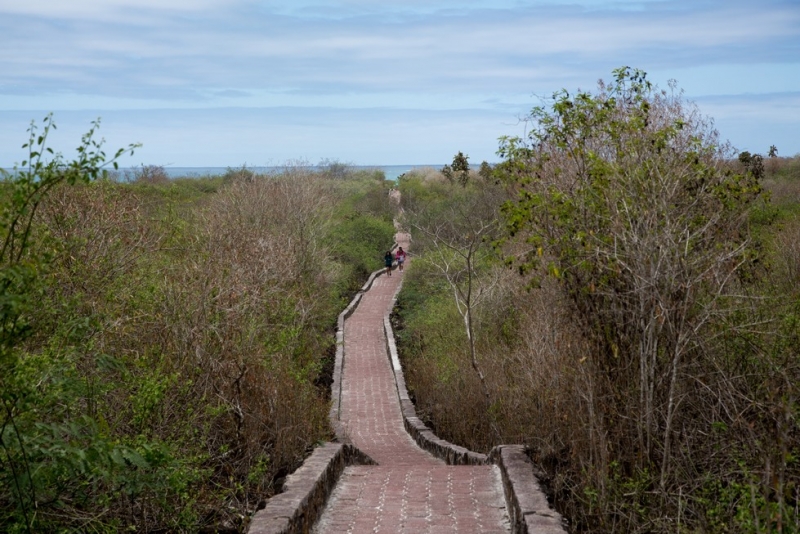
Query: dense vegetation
165, 345
628, 290
620, 294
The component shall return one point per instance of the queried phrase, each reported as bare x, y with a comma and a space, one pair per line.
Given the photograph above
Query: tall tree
624, 199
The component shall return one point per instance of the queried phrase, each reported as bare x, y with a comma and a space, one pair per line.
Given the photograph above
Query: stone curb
425, 438
306, 491
338, 367
527, 505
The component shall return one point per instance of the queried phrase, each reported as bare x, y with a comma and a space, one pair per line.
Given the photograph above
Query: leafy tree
447, 172
753, 163
624, 200
37, 458
458, 170
485, 171
333, 168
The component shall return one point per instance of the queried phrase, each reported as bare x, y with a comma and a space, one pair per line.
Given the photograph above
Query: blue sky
266, 82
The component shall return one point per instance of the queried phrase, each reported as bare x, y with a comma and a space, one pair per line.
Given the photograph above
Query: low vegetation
637, 325
619, 293
167, 344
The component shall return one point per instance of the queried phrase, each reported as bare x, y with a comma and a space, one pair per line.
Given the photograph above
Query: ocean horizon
390, 171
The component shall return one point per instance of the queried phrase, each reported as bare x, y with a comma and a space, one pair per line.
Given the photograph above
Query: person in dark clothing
388, 259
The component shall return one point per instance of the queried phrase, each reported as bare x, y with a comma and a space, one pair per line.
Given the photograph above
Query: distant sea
391, 171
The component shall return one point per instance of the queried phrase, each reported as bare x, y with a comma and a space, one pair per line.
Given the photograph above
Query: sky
226, 83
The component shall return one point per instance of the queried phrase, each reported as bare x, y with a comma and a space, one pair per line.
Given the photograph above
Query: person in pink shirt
400, 256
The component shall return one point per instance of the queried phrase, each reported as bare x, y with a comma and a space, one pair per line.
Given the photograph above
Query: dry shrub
542, 384
100, 227
787, 254
526, 377
203, 333
538, 370
245, 309
783, 192
146, 174
272, 229
782, 180
426, 174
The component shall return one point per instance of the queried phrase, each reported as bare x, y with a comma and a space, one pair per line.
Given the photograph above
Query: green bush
360, 241
163, 345
652, 365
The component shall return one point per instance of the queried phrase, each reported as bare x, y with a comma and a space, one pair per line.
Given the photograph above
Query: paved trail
409, 491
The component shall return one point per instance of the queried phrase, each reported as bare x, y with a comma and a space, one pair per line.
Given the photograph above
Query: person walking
388, 259
401, 258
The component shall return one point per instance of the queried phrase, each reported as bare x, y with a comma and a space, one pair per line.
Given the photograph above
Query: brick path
409, 491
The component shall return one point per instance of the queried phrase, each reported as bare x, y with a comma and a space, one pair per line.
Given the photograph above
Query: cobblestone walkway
409, 491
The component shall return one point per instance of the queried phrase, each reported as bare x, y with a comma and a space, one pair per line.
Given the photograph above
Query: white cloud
231, 137
374, 54
103, 9
481, 55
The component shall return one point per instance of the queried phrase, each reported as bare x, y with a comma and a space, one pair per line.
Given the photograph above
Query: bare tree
456, 236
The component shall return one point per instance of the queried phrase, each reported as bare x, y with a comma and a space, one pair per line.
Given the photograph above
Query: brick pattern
370, 411
409, 491
416, 500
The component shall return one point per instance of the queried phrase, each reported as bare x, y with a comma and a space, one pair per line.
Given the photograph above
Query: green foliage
332, 168
738, 504
239, 174
753, 163
485, 171
428, 314
62, 459
460, 168
45, 460
629, 202
782, 180
359, 241
622, 199
417, 192
458, 171
365, 193
23, 191
164, 343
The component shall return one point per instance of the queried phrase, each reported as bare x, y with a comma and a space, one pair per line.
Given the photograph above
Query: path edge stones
305, 492
528, 509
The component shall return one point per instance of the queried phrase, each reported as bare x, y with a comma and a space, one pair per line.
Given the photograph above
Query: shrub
651, 365
163, 344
